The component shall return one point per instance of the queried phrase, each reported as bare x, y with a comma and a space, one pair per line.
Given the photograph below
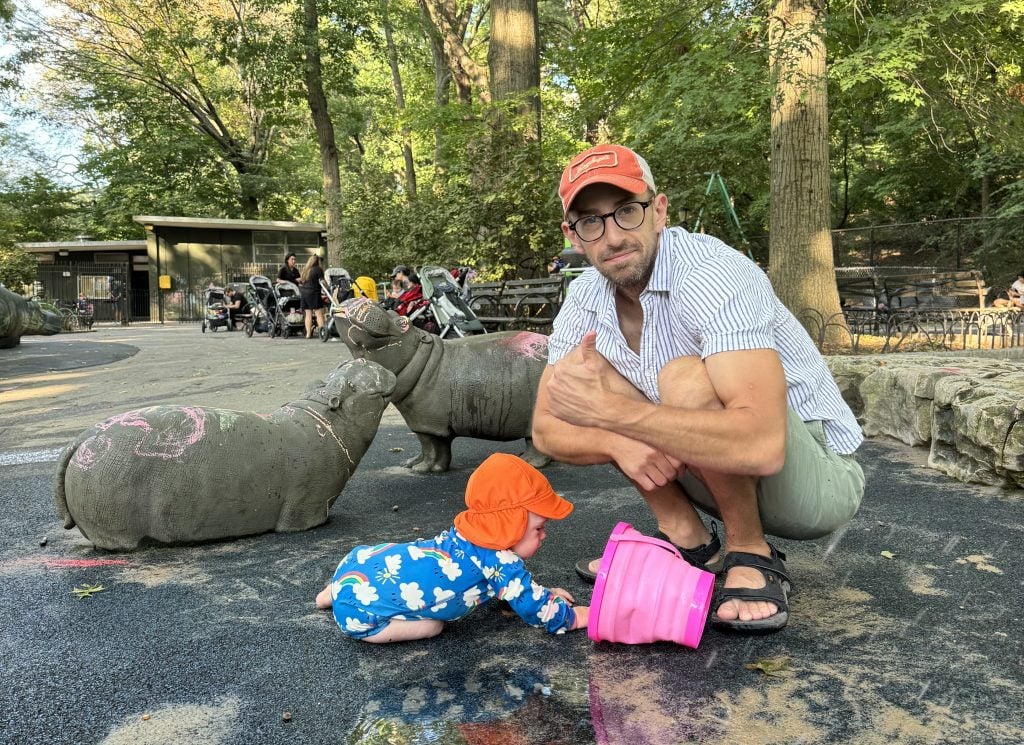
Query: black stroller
337, 286
452, 314
215, 314
274, 306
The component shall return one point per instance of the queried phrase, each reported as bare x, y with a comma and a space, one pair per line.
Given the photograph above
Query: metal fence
105, 287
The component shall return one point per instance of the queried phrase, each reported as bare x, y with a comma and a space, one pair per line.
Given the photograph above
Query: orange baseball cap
605, 164
500, 494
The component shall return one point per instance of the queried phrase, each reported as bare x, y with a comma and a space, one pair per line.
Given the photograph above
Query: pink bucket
646, 592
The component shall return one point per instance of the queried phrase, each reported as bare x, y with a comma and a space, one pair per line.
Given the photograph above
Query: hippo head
381, 335
357, 387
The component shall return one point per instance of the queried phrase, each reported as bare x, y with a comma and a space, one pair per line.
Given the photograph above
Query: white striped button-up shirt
705, 297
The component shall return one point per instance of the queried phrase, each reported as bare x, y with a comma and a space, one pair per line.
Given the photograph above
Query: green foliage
17, 268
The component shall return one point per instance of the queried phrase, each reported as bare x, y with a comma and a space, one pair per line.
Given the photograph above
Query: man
236, 305
673, 359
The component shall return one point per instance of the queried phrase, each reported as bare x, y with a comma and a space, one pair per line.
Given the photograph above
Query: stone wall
965, 407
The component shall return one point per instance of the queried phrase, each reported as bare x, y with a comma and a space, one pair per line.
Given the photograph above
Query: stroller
274, 307
338, 286
452, 314
215, 314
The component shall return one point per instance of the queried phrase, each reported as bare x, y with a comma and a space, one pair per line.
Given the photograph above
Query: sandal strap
699, 556
771, 592
767, 565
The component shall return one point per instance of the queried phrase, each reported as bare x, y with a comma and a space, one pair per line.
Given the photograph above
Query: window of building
94, 286
270, 246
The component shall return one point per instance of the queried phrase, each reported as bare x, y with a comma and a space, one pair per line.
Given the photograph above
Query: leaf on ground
396, 450
889, 554
773, 668
87, 591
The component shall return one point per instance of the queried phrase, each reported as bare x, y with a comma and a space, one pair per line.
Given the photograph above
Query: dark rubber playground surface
215, 643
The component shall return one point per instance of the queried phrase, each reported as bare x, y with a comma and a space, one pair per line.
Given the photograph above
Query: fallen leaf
287, 716
87, 591
396, 450
889, 554
773, 668
145, 717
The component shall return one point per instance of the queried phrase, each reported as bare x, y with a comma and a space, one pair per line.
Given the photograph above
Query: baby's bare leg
406, 631
324, 599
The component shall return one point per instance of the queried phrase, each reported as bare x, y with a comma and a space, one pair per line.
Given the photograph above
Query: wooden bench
530, 304
951, 290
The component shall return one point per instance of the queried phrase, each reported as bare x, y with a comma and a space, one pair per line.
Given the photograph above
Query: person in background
236, 305
116, 297
311, 294
289, 272
1016, 291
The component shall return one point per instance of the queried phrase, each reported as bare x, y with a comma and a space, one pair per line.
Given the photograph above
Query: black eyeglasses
628, 216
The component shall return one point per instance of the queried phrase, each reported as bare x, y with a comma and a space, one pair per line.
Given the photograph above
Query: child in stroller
338, 287
451, 313
215, 314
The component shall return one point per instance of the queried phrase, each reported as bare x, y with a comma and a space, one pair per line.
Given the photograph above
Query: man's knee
684, 382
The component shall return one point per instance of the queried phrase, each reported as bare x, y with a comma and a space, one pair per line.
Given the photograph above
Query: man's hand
647, 467
581, 383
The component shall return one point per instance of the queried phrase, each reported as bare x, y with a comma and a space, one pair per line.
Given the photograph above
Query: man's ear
571, 237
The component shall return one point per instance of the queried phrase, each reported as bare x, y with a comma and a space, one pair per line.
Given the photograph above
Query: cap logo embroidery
592, 161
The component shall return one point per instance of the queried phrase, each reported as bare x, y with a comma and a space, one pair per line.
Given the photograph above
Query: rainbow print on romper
367, 553
351, 579
436, 553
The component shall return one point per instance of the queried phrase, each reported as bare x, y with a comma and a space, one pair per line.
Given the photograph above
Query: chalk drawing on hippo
479, 386
235, 473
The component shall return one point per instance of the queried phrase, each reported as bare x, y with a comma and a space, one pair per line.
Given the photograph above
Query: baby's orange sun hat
500, 494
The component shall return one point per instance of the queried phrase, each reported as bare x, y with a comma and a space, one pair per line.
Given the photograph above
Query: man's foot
755, 594
707, 556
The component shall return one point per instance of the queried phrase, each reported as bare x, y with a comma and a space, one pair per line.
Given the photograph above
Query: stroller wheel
203, 327
325, 333
286, 332
248, 328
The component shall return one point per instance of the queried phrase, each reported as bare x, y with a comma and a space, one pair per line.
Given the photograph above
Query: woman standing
309, 292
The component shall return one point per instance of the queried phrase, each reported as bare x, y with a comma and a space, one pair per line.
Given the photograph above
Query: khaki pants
816, 492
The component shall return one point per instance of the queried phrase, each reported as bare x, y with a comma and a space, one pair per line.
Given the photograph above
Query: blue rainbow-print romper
442, 578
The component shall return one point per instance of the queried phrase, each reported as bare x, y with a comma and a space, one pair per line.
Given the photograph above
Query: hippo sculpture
20, 317
181, 474
478, 386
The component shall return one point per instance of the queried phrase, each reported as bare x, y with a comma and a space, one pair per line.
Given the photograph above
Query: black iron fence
103, 290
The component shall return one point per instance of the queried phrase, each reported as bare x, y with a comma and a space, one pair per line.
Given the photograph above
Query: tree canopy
200, 108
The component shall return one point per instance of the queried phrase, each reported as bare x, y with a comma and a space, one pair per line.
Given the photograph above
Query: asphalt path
906, 628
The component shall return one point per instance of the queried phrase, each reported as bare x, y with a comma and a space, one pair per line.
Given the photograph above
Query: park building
162, 277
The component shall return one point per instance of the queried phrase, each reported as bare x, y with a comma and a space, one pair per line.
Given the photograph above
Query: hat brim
627, 183
502, 529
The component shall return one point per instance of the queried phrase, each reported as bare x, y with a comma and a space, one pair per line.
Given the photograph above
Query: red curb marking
61, 563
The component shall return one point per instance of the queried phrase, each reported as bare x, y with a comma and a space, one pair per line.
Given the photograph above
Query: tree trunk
452, 25
442, 82
317, 99
801, 265
513, 60
396, 82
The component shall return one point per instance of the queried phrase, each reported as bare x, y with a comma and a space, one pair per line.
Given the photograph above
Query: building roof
83, 245
218, 222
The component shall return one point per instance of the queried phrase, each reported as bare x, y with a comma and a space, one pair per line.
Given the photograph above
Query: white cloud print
513, 589
471, 597
365, 594
507, 557
441, 598
412, 595
450, 569
356, 626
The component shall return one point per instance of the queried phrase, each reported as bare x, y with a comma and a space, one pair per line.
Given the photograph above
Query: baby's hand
564, 594
582, 617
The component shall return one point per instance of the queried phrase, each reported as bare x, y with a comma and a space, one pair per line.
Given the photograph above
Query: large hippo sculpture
180, 474
479, 386
20, 317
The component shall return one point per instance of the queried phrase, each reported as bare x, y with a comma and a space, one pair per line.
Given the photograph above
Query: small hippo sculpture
478, 386
180, 474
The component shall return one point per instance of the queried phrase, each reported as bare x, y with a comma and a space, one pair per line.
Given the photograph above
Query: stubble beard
632, 279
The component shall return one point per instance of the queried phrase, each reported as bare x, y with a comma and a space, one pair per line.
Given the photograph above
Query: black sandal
776, 590
697, 557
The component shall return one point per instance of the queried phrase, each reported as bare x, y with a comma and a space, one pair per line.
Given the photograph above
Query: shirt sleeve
737, 308
534, 603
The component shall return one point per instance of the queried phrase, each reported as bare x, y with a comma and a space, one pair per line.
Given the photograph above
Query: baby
396, 592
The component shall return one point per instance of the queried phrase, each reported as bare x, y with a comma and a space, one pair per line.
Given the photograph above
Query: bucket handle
640, 538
